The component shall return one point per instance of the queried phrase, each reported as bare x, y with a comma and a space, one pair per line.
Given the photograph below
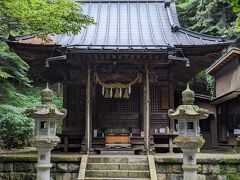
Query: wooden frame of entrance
146, 111
88, 131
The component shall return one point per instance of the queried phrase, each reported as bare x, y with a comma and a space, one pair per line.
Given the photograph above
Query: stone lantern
45, 139
189, 139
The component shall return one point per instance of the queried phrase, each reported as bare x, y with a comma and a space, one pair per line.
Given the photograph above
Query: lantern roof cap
188, 111
47, 109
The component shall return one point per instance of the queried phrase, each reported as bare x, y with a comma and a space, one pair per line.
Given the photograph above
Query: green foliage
211, 85
41, 17
213, 17
12, 66
15, 127
236, 8
232, 176
203, 83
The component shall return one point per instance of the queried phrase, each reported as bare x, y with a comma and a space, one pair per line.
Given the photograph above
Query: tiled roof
133, 24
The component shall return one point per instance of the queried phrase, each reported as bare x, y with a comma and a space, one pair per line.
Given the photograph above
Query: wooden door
118, 113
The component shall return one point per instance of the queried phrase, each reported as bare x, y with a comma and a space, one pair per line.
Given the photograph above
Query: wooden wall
228, 77
74, 101
115, 113
228, 119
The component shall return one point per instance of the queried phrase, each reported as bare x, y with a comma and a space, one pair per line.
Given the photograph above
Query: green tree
212, 17
236, 8
39, 18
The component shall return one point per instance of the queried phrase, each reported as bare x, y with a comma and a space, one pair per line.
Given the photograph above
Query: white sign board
162, 130
95, 133
236, 131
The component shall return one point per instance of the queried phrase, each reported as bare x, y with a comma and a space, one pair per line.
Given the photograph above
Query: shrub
15, 127
15, 130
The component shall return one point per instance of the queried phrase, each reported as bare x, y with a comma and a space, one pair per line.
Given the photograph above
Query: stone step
117, 159
117, 166
109, 178
117, 173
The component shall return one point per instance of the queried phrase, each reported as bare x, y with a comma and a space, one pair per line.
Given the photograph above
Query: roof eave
212, 69
226, 97
224, 44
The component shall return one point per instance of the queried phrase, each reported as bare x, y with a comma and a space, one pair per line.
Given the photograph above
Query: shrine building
120, 74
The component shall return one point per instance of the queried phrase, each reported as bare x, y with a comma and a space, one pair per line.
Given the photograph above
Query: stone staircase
117, 167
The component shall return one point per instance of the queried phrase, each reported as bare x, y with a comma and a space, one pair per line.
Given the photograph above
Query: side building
226, 71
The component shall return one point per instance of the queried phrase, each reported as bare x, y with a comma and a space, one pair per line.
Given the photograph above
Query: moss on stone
233, 177
222, 170
230, 161
169, 161
65, 159
33, 158
208, 161
14, 158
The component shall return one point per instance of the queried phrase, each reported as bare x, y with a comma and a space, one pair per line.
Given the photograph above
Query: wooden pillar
65, 89
88, 111
146, 110
171, 97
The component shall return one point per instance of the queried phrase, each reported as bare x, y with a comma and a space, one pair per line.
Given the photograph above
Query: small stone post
237, 138
45, 138
189, 139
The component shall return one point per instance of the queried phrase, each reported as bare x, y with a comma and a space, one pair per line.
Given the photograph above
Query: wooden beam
88, 111
171, 96
146, 107
64, 125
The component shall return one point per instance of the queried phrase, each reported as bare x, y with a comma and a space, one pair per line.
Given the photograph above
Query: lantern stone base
191, 142
45, 142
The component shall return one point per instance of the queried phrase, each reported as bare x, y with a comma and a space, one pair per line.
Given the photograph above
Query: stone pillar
189, 164
88, 112
45, 138
237, 138
146, 107
189, 139
44, 155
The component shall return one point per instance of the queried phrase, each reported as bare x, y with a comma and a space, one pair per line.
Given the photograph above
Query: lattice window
118, 104
159, 98
155, 99
76, 98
